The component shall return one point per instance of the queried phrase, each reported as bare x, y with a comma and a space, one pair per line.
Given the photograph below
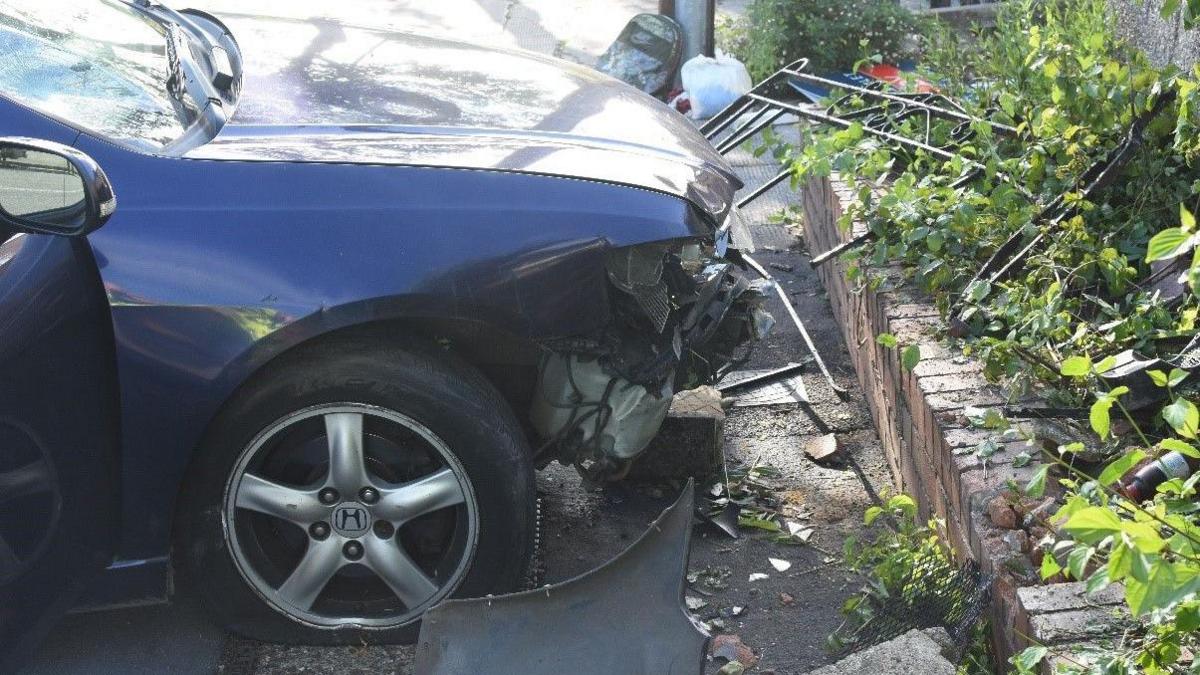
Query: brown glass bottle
1141, 484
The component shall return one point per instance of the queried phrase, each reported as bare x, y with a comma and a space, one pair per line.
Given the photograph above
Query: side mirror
50, 188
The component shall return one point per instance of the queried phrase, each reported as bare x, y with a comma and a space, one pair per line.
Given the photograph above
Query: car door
58, 399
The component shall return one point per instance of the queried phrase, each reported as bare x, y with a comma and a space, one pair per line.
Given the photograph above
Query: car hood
320, 91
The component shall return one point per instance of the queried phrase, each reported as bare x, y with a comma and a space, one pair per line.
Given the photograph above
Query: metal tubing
842, 248
808, 342
734, 141
760, 190
763, 377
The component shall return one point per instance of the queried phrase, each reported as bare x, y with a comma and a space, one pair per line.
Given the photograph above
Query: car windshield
98, 64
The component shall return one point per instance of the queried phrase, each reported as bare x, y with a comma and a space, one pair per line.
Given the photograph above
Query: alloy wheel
350, 515
30, 501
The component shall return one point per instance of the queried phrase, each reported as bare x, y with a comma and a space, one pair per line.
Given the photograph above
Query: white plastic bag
713, 84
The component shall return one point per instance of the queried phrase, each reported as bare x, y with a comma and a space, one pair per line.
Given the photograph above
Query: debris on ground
731, 648
779, 564
822, 448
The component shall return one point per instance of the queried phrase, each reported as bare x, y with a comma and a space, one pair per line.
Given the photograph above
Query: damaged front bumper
683, 315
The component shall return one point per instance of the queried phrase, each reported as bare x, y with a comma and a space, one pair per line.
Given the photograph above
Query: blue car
291, 311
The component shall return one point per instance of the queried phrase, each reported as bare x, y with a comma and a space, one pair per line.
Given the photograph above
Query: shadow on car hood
320, 91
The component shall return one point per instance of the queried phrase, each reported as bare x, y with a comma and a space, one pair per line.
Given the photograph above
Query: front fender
213, 268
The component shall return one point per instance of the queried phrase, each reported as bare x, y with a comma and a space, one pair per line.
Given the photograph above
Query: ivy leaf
1183, 417
1169, 243
910, 357
1076, 366
1113, 472
1037, 485
887, 340
1180, 447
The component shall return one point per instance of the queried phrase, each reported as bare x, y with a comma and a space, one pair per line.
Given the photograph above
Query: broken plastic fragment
779, 565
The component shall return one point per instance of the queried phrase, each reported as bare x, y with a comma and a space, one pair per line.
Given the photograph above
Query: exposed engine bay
682, 316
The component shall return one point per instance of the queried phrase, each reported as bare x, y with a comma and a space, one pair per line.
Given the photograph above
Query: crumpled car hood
319, 91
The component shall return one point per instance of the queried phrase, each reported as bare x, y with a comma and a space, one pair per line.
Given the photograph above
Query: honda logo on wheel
351, 519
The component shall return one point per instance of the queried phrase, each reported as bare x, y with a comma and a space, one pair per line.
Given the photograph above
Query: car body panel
318, 90
214, 267
58, 428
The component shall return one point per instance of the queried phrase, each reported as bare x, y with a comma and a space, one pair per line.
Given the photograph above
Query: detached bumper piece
681, 319
625, 617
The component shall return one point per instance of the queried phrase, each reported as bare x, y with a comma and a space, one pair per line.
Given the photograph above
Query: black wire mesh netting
937, 593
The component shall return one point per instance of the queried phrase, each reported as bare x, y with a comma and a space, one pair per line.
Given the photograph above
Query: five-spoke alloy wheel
391, 504
351, 486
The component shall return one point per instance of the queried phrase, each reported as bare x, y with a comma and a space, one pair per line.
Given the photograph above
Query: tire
434, 434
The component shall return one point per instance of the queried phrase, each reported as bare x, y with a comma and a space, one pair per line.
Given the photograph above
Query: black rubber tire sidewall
427, 384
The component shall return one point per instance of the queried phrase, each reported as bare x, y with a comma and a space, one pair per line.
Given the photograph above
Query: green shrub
833, 34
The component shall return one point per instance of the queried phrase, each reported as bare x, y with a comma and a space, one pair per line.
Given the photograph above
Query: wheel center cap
351, 519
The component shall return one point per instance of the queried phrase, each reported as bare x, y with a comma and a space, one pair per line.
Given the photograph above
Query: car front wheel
350, 488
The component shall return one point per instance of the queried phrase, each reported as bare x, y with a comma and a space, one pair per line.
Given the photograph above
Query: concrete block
914, 653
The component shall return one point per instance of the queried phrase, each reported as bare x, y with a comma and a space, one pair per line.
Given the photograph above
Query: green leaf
1164, 587
1076, 366
1028, 659
1037, 484
978, 290
1099, 418
1098, 581
1078, 559
1113, 472
1158, 377
759, 523
902, 502
1050, 565
1177, 376
1092, 524
1183, 417
935, 240
1022, 459
871, 514
887, 340
1180, 447
910, 357
1186, 219
1169, 243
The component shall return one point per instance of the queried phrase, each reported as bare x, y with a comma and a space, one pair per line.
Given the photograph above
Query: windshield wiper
175, 77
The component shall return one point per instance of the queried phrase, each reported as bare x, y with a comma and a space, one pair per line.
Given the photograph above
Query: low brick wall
919, 416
